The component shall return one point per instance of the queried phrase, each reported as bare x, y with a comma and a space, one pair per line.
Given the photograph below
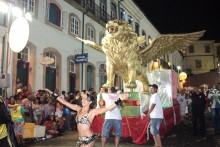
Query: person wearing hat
155, 114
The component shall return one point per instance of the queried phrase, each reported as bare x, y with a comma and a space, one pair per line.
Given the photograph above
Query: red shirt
48, 124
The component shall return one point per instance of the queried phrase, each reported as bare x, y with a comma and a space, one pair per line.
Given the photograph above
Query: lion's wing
168, 43
91, 44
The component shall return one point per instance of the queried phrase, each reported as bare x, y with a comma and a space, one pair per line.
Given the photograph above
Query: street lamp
178, 68
218, 66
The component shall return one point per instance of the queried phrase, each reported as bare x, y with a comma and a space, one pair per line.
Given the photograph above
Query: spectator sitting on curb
51, 126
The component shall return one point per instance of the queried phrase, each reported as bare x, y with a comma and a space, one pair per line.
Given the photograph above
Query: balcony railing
96, 10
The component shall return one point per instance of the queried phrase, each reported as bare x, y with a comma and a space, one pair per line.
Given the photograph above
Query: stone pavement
70, 139
180, 136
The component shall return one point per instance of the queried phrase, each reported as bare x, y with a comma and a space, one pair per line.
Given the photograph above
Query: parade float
127, 56
134, 121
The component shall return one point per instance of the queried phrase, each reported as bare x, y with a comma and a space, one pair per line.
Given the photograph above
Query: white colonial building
53, 30
201, 57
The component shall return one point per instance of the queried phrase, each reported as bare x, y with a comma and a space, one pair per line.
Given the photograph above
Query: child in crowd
38, 109
27, 104
51, 126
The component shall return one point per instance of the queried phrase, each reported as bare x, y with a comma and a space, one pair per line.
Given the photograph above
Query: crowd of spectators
39, 108
197, 102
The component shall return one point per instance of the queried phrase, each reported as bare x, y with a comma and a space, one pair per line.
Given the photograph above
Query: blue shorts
155, 125
108, 124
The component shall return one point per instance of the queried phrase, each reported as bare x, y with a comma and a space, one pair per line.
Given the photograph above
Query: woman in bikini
85, 116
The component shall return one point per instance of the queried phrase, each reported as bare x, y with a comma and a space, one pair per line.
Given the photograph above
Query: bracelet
54, 96
118, 102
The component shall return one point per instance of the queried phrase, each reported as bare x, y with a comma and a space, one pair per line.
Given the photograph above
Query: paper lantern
141, 40
182, 76
19, 34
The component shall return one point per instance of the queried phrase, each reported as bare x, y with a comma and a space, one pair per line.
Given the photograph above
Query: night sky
184, 16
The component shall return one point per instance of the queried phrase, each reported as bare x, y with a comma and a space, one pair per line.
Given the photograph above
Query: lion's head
115, 28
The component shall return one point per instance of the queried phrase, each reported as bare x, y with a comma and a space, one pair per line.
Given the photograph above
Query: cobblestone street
180, 136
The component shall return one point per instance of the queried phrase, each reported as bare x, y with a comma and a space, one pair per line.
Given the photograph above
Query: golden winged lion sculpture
124, 58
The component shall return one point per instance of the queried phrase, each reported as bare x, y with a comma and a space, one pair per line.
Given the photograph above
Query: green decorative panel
130, 111
132, 106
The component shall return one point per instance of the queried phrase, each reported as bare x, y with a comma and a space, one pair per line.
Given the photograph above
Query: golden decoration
126, 59
155, 65
182, 76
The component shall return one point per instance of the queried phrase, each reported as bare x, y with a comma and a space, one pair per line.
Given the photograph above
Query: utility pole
82, 51
82, 74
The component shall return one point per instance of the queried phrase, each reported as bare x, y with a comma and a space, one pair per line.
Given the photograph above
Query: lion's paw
131, 84
108, 84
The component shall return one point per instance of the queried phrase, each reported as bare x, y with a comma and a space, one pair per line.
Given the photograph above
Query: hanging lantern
182, 76
218, 66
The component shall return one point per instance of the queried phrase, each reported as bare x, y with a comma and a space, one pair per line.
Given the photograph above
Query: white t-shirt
181, 100
109, 100
158, 110
98, 99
